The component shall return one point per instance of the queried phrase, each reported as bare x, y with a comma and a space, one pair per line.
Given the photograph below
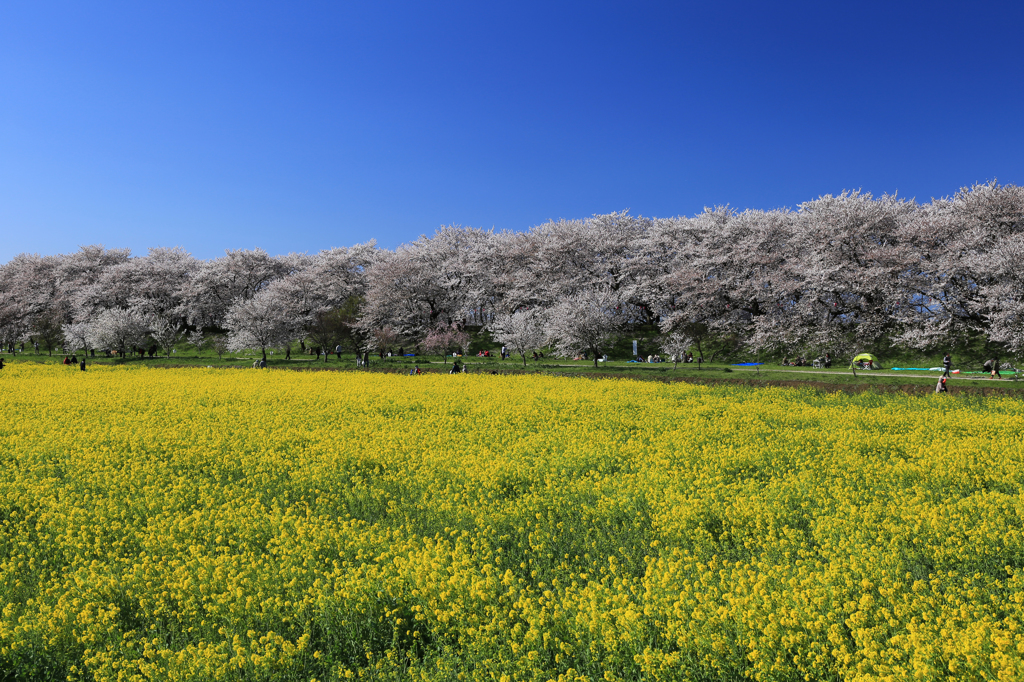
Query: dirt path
860, 373
872, 373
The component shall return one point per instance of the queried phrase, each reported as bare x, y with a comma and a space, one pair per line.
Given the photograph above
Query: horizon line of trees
838, 274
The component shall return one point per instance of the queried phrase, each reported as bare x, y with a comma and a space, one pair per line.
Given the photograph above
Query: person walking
947, 364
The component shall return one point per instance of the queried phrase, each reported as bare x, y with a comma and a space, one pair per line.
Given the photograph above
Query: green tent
865, 357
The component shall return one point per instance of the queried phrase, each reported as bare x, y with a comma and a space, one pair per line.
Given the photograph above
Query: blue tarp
747, 364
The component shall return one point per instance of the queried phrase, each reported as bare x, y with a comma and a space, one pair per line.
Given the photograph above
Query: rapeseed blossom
241, 525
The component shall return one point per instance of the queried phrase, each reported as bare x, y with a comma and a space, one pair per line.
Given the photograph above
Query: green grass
769, 373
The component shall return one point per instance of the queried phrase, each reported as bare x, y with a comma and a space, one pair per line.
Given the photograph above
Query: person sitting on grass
941, 386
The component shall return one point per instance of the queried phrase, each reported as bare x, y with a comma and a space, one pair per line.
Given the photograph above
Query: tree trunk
595, 359
524, 360
264, 354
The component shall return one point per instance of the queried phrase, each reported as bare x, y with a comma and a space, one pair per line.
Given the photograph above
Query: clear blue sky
300, 126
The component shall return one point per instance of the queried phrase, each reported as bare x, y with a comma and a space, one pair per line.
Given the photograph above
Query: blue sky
301, 126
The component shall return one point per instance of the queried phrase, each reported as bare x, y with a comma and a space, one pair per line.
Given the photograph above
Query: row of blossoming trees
839, 273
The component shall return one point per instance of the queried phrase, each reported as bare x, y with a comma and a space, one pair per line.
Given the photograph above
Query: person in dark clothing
1, 363
993, 367
455, 368
947, 364
81, 365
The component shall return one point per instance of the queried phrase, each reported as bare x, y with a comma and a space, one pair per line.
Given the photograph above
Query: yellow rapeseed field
270, 525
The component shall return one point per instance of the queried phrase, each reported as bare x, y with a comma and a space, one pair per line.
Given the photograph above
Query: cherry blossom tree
522, 332
13, 323
78, 335
847, 258
443, 338
676, 345
220, 345
217, 284
422, 285
258, 322
995, 216
383, 338
118, 329
197, 340
958, 271
841, 272
166, 332
586, 322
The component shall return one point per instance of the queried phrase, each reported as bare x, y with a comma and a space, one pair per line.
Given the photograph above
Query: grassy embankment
707, 372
